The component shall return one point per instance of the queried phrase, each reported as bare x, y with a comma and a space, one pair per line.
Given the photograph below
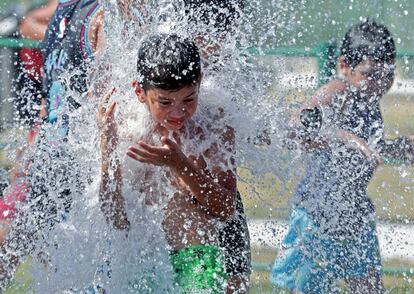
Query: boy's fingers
141, 159
106, 97
167, 141
133, 155
149, 148
111, 108
142, 153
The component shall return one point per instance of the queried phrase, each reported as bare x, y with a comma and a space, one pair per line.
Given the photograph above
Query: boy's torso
334, 189
186, 221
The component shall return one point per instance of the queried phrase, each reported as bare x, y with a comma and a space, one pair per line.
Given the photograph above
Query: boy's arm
357, 143
96, 33
100, 73
215, 190
400, 149
322, 97
34, 24
110, 190
304, 124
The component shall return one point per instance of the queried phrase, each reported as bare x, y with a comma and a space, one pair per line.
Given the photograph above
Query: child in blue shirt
332, 233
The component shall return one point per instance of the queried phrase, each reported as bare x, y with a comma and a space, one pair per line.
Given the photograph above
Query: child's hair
220, 14
368, 40
168, 62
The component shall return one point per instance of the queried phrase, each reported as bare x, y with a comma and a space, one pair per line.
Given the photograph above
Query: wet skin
203, 196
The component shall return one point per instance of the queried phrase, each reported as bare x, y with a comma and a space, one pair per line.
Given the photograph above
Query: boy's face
171, 109
370, 77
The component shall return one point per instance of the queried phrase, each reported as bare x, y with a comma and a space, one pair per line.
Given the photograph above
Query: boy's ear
138, 91
200, 79
343, 66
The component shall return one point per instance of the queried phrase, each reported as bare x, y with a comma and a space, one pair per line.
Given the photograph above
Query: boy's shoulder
210, 135
211, 125
326, 94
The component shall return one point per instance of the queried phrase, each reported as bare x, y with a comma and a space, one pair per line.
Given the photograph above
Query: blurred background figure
29, 81
28, 85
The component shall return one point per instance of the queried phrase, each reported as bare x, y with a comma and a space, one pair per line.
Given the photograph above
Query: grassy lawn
391, 191
397, 285
29, 3
261, 284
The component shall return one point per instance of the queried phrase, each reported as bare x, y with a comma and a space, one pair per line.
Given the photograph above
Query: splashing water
72, 246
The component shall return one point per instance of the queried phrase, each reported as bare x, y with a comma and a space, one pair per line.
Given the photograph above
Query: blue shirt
67, 55
334, 188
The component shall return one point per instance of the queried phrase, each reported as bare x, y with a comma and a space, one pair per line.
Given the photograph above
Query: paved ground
396, 240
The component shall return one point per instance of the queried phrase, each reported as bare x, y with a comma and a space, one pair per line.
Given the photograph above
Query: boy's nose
179, 112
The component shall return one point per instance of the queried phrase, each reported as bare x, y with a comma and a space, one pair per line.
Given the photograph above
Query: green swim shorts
199, 269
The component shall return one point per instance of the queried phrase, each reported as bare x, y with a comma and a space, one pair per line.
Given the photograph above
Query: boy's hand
359, 144
106, 122
169, 154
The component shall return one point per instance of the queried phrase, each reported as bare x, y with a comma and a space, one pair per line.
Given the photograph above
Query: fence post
7, 75
326, 56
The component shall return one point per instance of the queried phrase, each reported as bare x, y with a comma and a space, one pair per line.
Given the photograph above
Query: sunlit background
305, 46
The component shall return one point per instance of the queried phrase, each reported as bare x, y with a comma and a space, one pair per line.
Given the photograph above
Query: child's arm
322, 97
110, 192
357, 143
34, 24
400, 149
215, 189
304, 124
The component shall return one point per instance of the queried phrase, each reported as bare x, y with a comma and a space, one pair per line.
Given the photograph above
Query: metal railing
325, 53
19, 43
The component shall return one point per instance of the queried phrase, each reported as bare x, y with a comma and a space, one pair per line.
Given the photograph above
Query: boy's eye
164, 103
189, 100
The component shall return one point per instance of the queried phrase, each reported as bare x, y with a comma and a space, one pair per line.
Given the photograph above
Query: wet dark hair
220, 14
368, 40
168, 62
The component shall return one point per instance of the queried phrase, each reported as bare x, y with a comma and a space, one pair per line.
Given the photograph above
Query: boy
332, 234
29, 81
202, 177
213, 23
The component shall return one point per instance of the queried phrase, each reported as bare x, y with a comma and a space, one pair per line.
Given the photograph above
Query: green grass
22, 282
29, 3
260, 284
391, 192
260, 278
